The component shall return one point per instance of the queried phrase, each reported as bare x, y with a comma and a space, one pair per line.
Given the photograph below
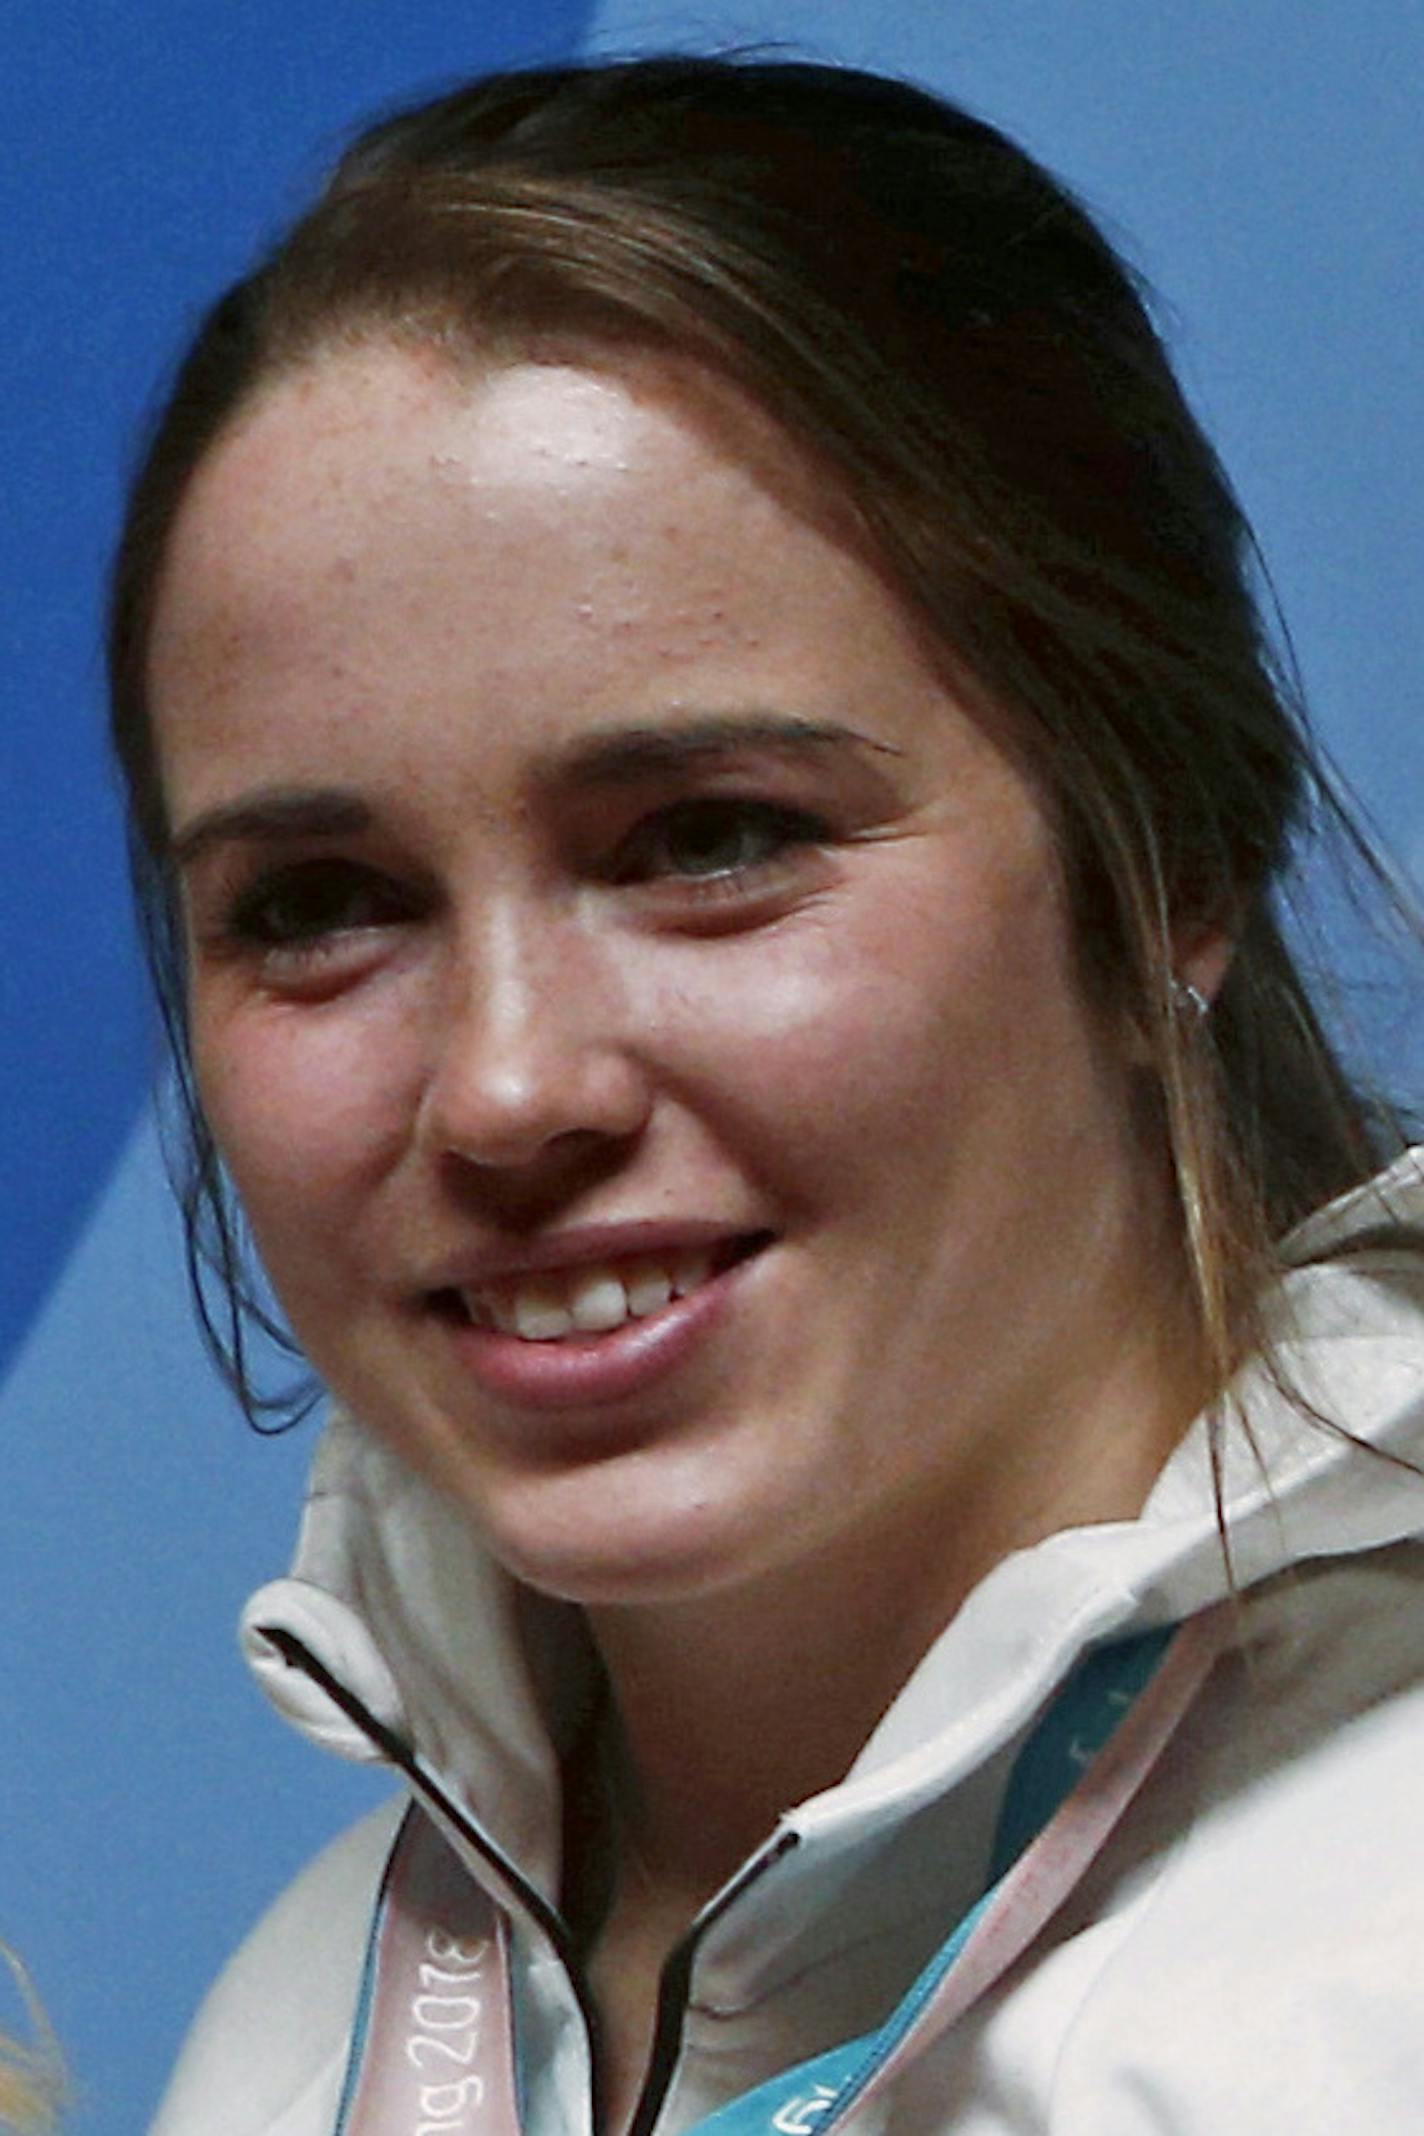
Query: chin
603, 1543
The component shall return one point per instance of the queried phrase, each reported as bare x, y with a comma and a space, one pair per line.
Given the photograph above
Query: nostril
529, 1073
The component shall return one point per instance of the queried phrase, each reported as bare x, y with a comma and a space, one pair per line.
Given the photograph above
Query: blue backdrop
1260, 161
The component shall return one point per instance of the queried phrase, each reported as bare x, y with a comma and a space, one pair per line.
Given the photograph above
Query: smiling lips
586, 1301
598, 1297
585, 1338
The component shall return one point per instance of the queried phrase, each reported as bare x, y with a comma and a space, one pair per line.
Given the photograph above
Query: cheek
307, 1108
867, 1041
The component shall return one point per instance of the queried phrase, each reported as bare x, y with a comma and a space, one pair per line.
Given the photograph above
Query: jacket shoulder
267, 2051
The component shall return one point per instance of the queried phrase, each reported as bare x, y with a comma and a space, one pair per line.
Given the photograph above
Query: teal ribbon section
365, 2004
807, 2100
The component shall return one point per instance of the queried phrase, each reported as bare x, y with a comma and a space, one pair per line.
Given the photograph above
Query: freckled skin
420, 588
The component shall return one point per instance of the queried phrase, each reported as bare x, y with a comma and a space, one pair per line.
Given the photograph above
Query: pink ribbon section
1060, 1857
439, 2051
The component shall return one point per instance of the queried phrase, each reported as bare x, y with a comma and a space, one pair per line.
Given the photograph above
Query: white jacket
1246, 1956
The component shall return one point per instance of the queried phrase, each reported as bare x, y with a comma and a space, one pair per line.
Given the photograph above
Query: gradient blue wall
1262, 162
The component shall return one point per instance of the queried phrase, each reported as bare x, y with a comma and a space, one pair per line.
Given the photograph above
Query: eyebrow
619, 757
630, 753
271, 813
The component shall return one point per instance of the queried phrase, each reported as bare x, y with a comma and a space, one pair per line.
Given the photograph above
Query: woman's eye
301, 906
711, 839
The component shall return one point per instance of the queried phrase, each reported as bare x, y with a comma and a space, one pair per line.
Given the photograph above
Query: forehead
385, 553
350, 466
325, 452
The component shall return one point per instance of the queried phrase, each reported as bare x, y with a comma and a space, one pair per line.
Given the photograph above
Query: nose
530, 1061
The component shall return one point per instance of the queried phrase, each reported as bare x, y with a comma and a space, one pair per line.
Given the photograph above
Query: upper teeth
586, 1301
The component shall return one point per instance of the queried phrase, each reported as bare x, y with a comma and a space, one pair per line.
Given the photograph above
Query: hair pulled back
941, 326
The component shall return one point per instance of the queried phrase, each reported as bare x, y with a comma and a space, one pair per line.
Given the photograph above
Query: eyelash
778, 830
330, 900
343, 899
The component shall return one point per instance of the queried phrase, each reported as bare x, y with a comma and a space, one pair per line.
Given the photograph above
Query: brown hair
940, 323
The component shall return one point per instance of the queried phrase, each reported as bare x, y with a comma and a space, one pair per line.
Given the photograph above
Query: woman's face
634, 996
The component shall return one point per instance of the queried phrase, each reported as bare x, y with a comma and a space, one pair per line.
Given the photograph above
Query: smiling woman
712, 797
562, 928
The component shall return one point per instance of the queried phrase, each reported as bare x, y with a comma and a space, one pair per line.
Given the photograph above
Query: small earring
1188, 1001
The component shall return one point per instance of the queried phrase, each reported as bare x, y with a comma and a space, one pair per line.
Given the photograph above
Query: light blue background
1262, 161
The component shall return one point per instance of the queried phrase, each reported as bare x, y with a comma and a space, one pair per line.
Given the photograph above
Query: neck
721, 1729
734, 1707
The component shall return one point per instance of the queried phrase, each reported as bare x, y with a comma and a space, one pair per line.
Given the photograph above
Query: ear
1202, 958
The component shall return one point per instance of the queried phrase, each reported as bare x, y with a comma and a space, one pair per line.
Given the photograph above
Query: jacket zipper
298, 1655
676, 1977
676, 1980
